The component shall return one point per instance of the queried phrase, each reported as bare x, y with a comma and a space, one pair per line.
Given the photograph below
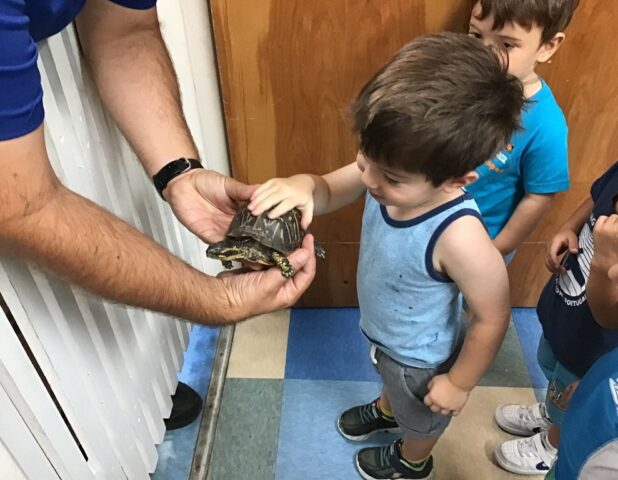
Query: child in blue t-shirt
516, 187
573, 337
423, 243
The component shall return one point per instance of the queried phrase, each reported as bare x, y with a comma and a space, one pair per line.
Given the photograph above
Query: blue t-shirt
535, 161
568, 325
22, 24
589, 434
408, 310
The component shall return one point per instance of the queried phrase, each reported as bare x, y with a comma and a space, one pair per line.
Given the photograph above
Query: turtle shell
283, 233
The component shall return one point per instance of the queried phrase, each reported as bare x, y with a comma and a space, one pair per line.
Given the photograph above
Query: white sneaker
527, 456
522, 420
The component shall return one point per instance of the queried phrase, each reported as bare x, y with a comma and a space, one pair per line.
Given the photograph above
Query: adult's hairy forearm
137, 84
79, 241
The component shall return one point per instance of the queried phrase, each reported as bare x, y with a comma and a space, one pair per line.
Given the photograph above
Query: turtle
262, 240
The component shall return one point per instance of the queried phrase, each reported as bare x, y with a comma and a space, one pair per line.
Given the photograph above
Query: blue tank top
408, 309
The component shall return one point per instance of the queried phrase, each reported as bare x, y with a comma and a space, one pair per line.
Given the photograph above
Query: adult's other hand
251, 293
205, 202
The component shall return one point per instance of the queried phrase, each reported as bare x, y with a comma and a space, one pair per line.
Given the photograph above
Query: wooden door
290, 68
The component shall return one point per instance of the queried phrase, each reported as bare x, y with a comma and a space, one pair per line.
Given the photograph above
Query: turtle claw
287, 270
288, 273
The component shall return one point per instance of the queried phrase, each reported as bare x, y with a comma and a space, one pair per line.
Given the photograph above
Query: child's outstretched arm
310, 193
567, 237
467, 255
602, 286
524, 220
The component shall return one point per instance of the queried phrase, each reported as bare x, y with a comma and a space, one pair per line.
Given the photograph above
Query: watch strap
172, 170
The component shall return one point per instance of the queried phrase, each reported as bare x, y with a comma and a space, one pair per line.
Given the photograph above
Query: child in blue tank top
516, 187
425, 121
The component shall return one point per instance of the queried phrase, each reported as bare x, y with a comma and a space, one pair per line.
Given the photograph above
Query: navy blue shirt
568, 325
22, 24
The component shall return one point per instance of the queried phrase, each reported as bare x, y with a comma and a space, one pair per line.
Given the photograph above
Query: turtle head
240, 250
225, 251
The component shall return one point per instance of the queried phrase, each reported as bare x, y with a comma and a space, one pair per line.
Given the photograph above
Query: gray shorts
406, 388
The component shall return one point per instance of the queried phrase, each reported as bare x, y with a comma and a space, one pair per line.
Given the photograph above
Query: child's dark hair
441, 107
552, 16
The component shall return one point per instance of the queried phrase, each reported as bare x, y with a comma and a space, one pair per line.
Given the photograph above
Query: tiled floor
291, 374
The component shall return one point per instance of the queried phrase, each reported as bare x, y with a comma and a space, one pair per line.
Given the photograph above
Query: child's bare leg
415, 450
385, 404
553, 435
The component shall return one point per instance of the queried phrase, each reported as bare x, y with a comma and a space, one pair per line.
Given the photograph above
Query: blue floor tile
308, 435
176, 450
326, 344
529, 331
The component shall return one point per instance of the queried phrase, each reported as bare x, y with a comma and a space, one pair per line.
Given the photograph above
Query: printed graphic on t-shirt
500, 162
571, 285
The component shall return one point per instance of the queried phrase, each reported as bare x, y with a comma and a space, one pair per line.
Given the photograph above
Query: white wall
8, 467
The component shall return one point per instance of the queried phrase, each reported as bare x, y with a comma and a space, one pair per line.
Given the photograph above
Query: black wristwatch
171, 171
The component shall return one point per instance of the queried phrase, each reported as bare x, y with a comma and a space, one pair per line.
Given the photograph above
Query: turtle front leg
287, 270
227, 264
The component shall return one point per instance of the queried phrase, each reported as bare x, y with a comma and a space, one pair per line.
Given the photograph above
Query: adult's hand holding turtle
255, 292
206, 201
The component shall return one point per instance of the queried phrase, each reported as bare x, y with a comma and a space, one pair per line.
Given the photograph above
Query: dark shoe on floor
186, 407
360, 423
384, 463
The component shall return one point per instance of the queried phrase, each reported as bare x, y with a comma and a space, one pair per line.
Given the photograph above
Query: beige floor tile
260, 347
465, 452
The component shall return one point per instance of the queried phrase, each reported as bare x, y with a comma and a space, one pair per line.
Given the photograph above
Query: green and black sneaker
385, 463
360, 423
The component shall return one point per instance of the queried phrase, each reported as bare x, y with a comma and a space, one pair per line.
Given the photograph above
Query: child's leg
546, 359
404, 390
537, 453
363, 421
553, 436
384, 403
559, 392
526, 420
415, 450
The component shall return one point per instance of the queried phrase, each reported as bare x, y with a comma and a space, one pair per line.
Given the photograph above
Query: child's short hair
552, 16
441, 106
